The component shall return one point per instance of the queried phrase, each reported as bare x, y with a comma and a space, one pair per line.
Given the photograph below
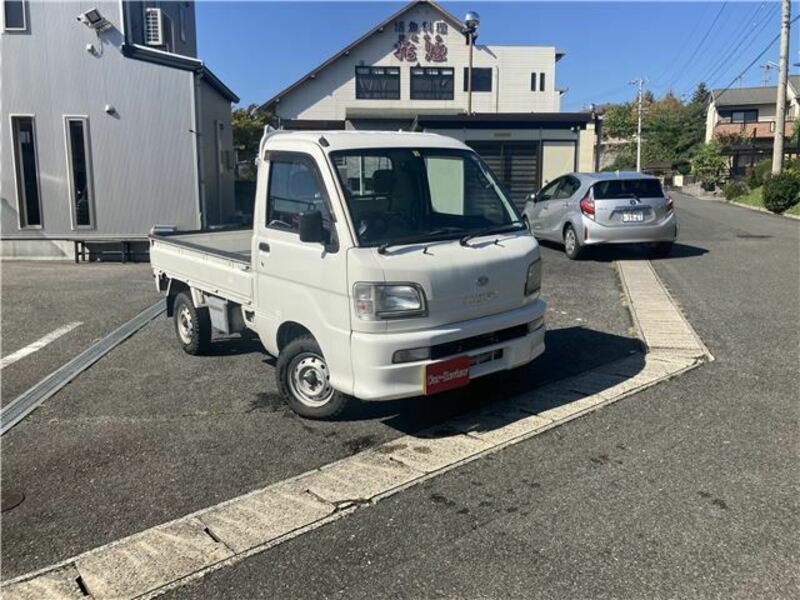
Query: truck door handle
263, 247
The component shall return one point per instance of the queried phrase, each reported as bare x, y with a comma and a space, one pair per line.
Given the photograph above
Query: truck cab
379, 266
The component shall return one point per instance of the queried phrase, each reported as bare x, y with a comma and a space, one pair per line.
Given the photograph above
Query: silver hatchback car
586, 209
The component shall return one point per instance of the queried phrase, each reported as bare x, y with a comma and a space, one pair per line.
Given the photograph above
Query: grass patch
754, 198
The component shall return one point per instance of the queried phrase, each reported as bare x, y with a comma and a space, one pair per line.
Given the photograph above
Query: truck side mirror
311, 229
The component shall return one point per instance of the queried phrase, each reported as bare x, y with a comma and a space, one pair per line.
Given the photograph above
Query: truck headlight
533, 282
376, 301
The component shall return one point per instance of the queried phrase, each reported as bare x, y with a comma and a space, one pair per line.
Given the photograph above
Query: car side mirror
311, 229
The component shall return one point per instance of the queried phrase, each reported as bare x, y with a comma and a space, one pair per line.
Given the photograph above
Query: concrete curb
734, 203
170, 555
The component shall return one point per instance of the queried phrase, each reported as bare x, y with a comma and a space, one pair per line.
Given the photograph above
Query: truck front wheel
304, 380
192, 325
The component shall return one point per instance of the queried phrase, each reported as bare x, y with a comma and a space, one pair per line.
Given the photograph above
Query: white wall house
744, 119
410, 72
110, 125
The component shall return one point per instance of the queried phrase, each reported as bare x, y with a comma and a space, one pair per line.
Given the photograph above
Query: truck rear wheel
304, 380
192, 325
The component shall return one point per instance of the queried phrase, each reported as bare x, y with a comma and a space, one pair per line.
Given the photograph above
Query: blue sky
258, 48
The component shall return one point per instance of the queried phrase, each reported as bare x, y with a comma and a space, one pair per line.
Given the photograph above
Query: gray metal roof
745, 96
751, 96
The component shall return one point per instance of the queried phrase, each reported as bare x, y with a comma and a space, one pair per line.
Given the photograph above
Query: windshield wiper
432, 236
490, 230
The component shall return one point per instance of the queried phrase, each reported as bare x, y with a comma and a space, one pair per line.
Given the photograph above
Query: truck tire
192, 325
304, 380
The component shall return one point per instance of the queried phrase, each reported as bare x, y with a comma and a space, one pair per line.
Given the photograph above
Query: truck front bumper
377, 378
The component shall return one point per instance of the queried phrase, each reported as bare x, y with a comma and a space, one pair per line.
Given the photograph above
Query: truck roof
345, 140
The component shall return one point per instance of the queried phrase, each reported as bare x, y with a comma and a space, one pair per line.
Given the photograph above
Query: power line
748, 27
754, 61
684, 47
765, 20
700, 45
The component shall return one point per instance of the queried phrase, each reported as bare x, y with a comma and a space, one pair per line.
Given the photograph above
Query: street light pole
640, 83
471, 22
780, 101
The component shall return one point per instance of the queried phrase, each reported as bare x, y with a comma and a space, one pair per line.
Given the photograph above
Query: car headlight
533, 282
376, 301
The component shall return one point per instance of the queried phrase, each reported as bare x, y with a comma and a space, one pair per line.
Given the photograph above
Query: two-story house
110, 125
743, 119
411, 72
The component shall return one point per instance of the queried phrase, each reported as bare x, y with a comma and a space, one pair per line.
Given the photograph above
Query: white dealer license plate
632, 217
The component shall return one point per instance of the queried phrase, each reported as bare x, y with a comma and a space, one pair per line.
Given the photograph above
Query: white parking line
155, 560
38, 344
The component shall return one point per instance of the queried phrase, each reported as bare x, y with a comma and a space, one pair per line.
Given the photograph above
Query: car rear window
626, 188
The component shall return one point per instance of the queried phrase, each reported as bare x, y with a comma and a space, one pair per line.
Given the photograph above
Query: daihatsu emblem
482, 280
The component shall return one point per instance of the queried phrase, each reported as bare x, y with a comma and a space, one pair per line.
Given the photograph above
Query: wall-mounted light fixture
94, 20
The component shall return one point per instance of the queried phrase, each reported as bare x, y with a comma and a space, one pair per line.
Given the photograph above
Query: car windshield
627, 188
402, 195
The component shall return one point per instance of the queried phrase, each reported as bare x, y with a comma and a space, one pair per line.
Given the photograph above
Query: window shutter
153, 27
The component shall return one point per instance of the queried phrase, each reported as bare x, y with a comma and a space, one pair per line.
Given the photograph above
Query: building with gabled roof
410, 71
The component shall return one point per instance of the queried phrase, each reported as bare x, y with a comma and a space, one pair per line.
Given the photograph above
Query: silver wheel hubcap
309, 380
185, 325
570, 241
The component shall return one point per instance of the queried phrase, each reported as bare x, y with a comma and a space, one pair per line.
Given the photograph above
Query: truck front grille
478, 341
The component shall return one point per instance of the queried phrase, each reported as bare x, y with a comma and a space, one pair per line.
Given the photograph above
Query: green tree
248, 128
619, 121
709, 164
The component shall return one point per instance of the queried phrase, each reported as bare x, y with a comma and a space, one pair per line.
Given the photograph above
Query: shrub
709, 164
782, 191
759, 174
734, 189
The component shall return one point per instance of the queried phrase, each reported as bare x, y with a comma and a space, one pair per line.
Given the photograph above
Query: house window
541, 82
26, 170
534, 80
80, 171
537, 82
378, 83
431, 83
742, 116
14, 15
182, 21
481, 79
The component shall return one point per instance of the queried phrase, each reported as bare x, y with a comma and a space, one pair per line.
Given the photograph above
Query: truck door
299, 282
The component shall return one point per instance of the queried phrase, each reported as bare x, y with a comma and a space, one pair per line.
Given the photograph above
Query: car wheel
192, 325
304, 380
572, 245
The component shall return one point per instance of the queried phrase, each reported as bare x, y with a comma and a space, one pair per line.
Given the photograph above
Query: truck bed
217, 262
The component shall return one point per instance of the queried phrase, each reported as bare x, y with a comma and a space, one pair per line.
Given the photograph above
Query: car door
540, 217
563, 203
300, 282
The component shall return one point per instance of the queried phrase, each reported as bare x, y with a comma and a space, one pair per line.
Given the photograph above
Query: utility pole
780, 102
640, 83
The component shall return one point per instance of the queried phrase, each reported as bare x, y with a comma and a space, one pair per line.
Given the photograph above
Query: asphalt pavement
149, 434
40, 297
688, 489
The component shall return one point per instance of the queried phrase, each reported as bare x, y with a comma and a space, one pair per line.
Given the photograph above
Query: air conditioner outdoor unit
153, 27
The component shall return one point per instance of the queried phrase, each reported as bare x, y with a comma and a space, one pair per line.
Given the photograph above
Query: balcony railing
757, 129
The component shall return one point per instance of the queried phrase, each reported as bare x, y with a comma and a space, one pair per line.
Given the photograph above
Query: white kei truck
380, 266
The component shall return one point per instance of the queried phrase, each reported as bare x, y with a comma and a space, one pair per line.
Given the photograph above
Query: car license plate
632, 217
447, 375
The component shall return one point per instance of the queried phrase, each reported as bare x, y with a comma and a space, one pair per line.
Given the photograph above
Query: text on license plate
447, 375
632, 217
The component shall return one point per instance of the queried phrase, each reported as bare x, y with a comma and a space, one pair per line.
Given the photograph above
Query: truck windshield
403, 195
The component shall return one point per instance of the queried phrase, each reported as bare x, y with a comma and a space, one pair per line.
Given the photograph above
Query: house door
515, 163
